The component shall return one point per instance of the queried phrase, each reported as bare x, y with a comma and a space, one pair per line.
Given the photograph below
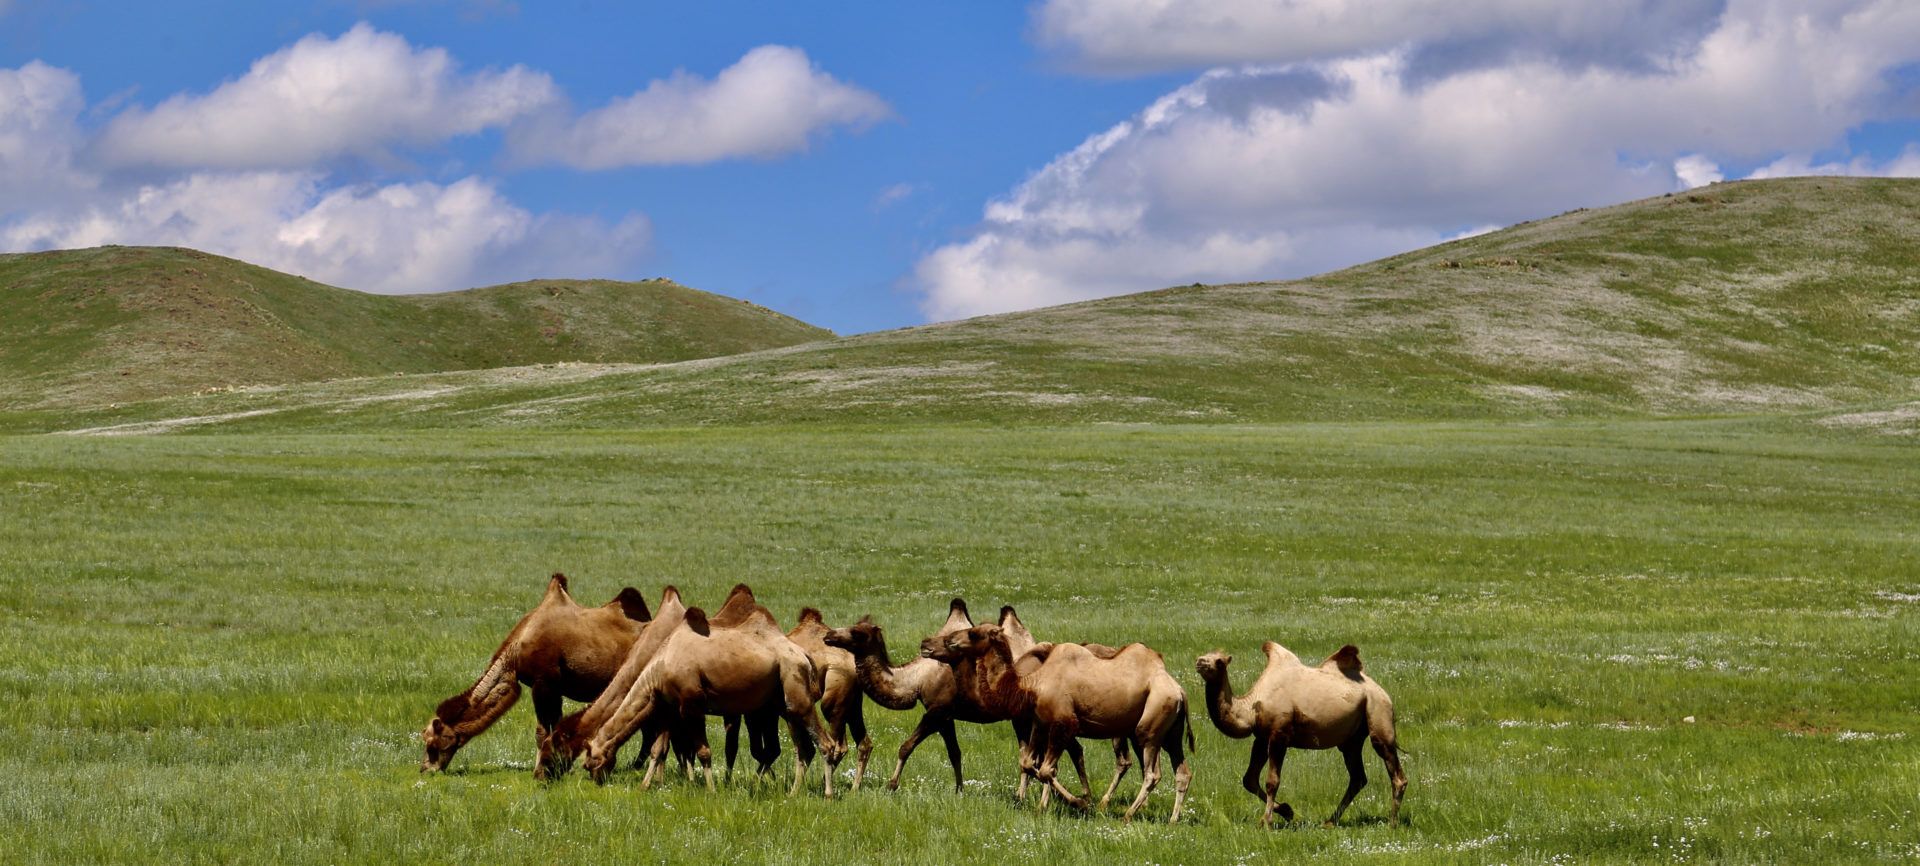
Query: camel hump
630, 602
1347, 660
696, 619
669, 594
1006, 613
958, 606
557, 586
810, 614
740, 589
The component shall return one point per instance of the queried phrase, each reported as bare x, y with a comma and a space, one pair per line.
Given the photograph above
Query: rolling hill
116, 324
1793, 295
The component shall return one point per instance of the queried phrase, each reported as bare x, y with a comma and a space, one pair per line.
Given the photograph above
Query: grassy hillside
1781, 295
114, 324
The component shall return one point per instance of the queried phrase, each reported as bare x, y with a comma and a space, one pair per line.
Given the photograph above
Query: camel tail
1186, 719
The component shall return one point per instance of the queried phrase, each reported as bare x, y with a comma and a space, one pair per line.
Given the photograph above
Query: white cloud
39, 133
1907, 164
1696, 170
318, 99
1141, 35
771, 102
893, 195
1275, 171
397, 238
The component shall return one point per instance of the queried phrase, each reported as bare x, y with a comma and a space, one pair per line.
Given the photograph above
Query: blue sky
949, 160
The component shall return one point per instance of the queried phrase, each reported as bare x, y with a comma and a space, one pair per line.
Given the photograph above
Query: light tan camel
1069, 692
558, 650
1291, 705
840, 698
746, 670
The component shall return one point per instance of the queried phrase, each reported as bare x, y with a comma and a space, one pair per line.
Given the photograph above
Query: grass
112, 324
220, 647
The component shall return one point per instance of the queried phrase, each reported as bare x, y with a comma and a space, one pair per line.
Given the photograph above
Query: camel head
858, 638
560, 747
964, 644
442, 740
598, 762
1212, 666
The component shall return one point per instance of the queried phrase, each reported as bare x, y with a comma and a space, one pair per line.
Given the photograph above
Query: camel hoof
1285, 811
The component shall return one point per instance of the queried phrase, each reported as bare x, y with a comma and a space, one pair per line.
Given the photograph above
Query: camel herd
661, 673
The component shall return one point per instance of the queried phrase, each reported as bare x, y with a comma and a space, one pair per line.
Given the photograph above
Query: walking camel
1066, 692
560, 649
840, 692
1291, 705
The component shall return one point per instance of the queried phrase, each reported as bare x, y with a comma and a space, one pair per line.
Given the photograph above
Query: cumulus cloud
1284, 170
1145, 35
1907, 164
360, 95
773, 101
407, 237
39, 134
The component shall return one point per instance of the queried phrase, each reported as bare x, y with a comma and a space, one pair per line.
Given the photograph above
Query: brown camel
1067, 692
978, 677
763, 736
564, 743
748, 670
840, 700
921, 681
558, 650
1335, 705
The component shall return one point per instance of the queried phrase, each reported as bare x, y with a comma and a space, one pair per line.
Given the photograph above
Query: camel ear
866, 619
439, 728
697, 621
808, 614
1226, 659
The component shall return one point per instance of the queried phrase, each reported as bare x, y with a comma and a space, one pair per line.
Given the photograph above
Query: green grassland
219, 648
1620, 506
112, 324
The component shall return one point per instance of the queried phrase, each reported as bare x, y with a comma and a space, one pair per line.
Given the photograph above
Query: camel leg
546, 714
1023, 741
1182, 771
929, 723
1356, 776
1150, 776
1122, 761
952, 740
1276, 755
763, 741
1079, 758
1255, 764
1390, 755
1057, 735
857, 724
656, 756
802, 732
731, 726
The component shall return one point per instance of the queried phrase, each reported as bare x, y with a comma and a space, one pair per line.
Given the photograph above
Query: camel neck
1220, 706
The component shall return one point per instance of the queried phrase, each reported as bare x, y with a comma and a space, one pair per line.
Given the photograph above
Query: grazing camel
558, 650
1066, 692
748, 670
565, 742
921, 681
1291, 705
840, 699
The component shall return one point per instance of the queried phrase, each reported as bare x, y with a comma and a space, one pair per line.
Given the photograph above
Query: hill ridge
116, 324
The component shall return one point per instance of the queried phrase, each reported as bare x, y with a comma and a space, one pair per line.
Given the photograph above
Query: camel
565, 741
921, 681
1291, 705
840, 698
558, 650
750, 670
982, 697
1065, 692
